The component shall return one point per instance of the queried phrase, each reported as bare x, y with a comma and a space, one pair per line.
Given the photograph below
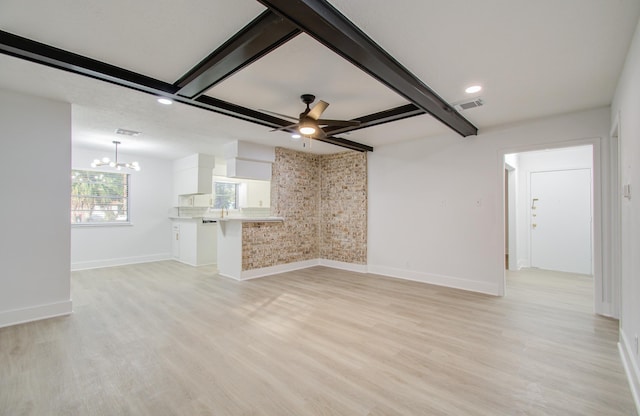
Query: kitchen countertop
247, 219
219, 219
192, 218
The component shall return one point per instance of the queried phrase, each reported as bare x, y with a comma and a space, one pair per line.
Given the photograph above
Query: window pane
226, 195
99, 197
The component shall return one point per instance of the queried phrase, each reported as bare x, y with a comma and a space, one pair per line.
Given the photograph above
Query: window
99, 197
226, 195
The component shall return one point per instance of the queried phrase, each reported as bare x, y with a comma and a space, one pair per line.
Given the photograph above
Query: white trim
631, 369
606, 309
80, 225
283, 268
280, 268
600, 176
96, 264
434, 279
612, 210
35, 313
490, 288
352, 267
190, 264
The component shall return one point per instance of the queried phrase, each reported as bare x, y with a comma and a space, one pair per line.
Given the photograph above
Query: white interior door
561, 220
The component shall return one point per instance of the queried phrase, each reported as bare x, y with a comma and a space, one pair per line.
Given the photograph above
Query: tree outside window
99, 197
226, 195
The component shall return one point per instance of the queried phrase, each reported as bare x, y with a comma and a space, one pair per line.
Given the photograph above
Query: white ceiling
533, 58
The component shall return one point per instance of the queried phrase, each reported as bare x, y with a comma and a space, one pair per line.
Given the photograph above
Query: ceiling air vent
126, 132
468, 104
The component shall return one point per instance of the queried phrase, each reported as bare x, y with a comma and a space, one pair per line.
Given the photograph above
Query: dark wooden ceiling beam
265, 33
40, 53
348, 144
327, 25
43, 54
382, 117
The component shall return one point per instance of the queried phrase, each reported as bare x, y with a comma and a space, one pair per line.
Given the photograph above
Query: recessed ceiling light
165, 101
295, 136
472, 89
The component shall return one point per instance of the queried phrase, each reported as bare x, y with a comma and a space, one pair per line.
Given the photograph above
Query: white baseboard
436, 279
96, 264
281, 268
352, 267
631, 368
191, 264
35, 313
523, 264
606, 309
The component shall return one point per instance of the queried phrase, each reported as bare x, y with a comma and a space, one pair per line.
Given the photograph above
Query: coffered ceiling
533, 59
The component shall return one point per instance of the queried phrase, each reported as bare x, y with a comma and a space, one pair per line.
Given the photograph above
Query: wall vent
468, 104
126, 132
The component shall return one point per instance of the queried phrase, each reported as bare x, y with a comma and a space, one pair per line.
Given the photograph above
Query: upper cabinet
193, 174
249, 160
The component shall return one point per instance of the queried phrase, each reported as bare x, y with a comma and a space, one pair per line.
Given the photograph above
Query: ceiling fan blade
278, 114
290, 126
320, 134
317, 110
341, 123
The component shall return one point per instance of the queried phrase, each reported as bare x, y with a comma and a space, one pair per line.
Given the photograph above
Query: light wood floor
168, 339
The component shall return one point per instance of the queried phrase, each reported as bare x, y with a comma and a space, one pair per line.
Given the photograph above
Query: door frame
613, 237
602, 172
511, 232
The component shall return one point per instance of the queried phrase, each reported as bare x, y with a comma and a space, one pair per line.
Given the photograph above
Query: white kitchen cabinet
195, 241
201, 200
193, 174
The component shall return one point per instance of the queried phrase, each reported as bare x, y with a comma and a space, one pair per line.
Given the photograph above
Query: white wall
436, 207
580, 157
35, 135
626, 107
149, 236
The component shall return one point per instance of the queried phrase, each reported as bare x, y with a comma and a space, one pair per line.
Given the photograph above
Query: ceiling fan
309, 123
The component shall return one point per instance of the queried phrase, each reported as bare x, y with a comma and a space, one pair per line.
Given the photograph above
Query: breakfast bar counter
230, 244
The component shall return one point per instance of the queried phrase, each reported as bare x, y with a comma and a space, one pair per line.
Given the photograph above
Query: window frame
127, 198
236, 185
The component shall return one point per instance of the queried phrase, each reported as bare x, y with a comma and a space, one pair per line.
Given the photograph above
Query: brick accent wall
343, 207
323, 200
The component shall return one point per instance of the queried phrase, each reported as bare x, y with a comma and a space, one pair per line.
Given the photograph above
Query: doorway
549, 206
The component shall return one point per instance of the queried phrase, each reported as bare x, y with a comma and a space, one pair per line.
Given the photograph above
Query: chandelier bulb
114, 163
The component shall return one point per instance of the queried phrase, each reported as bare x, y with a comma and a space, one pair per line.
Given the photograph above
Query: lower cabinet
194, 242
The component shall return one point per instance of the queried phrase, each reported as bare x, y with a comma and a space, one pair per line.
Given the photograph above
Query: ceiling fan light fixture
307, 128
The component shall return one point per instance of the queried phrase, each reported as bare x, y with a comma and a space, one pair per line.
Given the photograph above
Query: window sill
104, 224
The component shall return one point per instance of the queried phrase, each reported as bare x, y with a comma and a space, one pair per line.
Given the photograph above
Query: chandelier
105, 161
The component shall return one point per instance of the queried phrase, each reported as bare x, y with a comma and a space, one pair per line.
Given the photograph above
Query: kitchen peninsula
230, 244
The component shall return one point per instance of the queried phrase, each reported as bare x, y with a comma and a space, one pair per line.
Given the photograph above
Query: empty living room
312, 207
